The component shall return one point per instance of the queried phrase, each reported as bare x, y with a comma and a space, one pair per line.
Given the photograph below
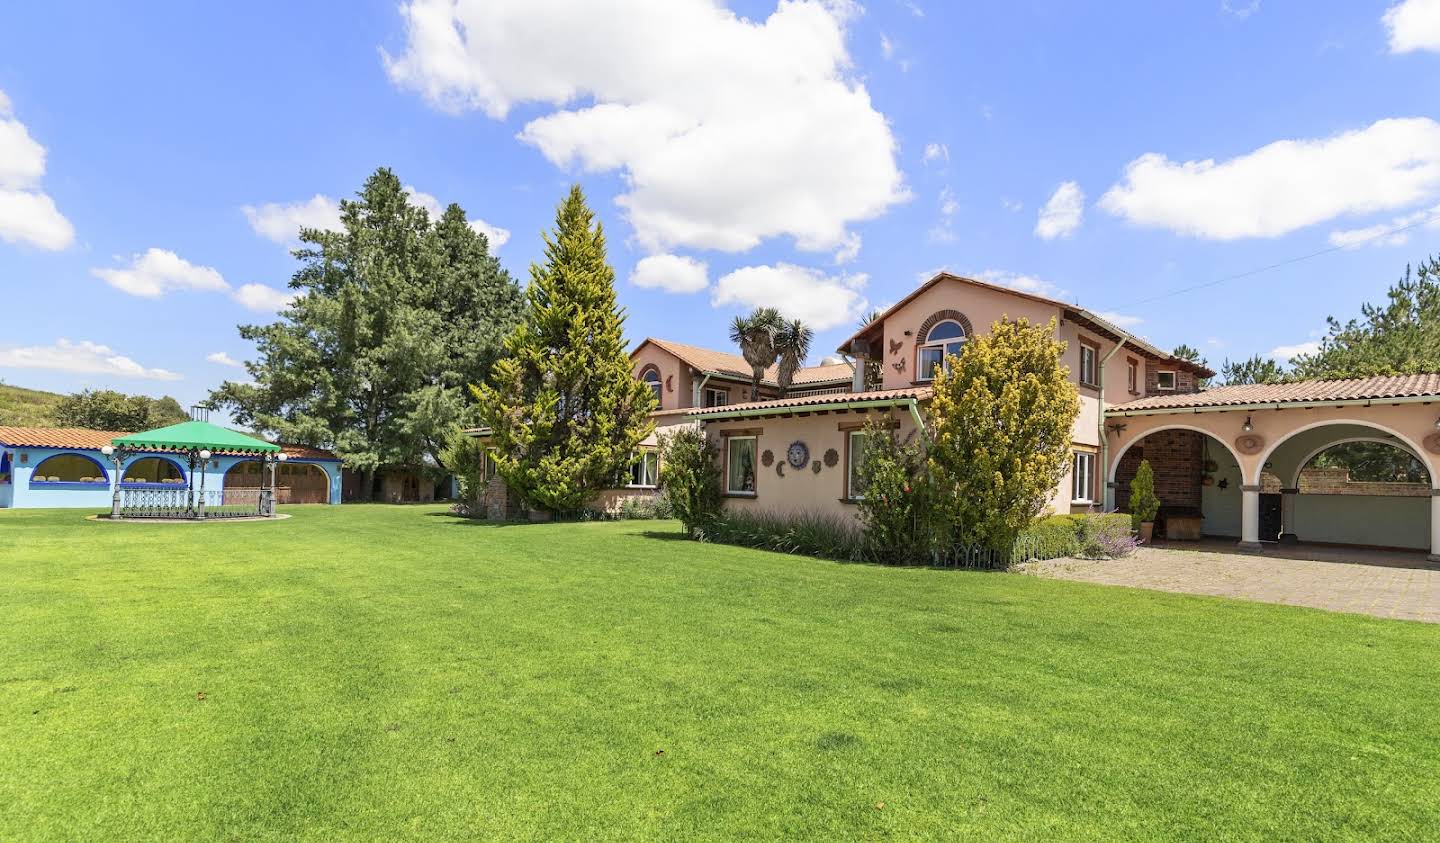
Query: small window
1087, 364
1083, 475
645, 471
943, 342
740, 465
716, 397
651, 377
1132, 376
1165, 381
489, 470
855, 457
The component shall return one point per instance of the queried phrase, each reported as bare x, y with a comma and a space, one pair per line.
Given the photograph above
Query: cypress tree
565, 411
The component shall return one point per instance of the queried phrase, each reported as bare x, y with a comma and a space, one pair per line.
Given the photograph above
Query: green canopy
195, 435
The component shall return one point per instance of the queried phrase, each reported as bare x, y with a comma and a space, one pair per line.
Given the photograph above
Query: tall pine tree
565, 411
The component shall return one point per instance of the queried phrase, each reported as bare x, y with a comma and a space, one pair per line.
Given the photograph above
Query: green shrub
690, 475
806, 533
898, 513
465, 456
645, 507
1143, 503
1090, 536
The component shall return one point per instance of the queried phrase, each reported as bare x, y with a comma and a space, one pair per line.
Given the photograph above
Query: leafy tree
792, 346
1373, 462
1002, 420
106, 409
394, 317
1143, 503
898, 499
1255, 370
1400, 337
690, 475
1193, 355
465, 455
756, 335
565, 411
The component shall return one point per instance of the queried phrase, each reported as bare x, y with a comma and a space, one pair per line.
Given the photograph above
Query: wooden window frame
1094, 348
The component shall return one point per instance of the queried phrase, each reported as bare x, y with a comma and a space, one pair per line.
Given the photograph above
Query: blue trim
68, 453
148, 485
68, 484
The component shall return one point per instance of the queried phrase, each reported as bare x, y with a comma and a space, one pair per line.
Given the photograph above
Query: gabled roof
811, 403
1072, 312
1297, 392
78, 438
727, 365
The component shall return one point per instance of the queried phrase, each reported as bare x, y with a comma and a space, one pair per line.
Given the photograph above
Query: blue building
42, 467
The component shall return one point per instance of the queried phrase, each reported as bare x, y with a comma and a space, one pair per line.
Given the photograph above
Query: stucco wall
1364, 519
675, 381
803, 489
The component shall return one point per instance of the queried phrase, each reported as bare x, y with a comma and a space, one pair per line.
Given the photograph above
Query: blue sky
820, 156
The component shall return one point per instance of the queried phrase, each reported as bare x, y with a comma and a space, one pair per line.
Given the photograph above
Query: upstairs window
1088, 354
716, 397
940, 344
1132, 377
651, 377
1165, 381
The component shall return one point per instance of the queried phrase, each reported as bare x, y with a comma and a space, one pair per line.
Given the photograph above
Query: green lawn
393, 673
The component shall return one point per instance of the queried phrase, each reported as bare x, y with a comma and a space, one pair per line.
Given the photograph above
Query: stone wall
1184, 380
1178, 459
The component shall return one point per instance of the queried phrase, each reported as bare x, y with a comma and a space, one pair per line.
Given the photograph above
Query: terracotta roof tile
881, 396
1298, 392
733, 365
76, 437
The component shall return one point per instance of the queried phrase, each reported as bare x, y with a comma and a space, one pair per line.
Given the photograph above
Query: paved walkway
1385, 584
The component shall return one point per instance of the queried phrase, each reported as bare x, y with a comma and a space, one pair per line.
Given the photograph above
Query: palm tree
874, 372
792, 345
756, 334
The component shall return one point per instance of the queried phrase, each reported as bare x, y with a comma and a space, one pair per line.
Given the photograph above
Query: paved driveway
1380, 583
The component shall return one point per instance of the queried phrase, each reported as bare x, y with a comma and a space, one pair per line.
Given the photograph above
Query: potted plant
1143, 503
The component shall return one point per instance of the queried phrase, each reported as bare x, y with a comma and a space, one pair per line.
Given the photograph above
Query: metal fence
192, 503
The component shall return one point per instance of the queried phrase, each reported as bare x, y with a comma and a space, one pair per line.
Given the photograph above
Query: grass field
368, 672
20, 407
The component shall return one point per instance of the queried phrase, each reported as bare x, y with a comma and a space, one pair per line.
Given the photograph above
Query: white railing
829, 390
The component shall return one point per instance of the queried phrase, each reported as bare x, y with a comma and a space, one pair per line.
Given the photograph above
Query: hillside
20, 407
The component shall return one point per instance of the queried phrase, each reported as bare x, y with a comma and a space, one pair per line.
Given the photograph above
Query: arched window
153, 470
939, 344
651, 377
69, 468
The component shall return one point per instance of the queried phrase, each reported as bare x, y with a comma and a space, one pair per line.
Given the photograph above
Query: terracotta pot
1147, 531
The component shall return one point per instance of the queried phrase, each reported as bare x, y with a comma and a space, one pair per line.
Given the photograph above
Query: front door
1270, 520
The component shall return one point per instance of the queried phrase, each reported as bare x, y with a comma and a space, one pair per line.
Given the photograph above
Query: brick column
1250, 518
1287, 516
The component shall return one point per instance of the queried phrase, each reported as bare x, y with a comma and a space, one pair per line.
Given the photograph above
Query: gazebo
200, 441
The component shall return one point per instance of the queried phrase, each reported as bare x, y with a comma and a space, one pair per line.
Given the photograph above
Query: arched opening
1198, 480
943, 341
69, 468
150, 470
294, 482
650, 376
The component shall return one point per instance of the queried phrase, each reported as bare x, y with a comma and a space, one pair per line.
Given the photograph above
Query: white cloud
822, 301
27, 214
1063, 213
1024, 283
887, 47
1014, 206
727, 131
671, 273
1119, 320
944, 229
849, 248
1240, 8
937, 152
1385, 234
1413, 25
282, 221
222, 359
1290, 352
1285, 185
263, 299
159, 271
913, 8
82, 357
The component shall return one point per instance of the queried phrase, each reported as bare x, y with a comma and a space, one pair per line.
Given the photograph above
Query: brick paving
1386, 584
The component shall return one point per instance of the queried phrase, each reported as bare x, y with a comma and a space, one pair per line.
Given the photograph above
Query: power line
1258, 270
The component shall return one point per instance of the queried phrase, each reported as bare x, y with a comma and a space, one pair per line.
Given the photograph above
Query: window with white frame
1087, 364
855, 458
740, 465
1165, 381
1132, 376
716, 397
645, 471
651, 377
941, 343
1083, 477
